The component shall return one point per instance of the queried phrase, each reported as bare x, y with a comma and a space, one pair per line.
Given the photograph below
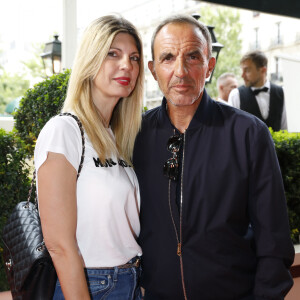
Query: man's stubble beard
191, 103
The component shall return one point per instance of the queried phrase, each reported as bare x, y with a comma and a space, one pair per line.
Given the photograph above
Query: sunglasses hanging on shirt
171, 166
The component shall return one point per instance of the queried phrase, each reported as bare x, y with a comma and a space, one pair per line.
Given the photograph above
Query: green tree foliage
35, 65
227, 30
15, 85
11, 87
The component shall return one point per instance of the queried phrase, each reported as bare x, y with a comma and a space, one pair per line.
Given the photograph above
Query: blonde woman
90, 225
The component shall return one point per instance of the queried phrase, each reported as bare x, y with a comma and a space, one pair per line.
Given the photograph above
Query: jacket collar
202, 116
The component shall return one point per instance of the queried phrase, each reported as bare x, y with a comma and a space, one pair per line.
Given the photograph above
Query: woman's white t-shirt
108, 199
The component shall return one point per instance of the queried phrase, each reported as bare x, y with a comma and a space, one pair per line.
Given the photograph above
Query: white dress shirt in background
263, 101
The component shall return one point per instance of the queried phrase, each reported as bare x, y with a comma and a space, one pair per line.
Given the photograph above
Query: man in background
258, 96
225, 84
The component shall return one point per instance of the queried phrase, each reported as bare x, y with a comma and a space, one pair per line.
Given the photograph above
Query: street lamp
216, 46
52, 57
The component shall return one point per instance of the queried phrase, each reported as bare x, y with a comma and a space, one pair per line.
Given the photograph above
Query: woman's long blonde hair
126, 117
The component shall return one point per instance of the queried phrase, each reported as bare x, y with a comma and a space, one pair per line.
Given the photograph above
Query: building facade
275, 35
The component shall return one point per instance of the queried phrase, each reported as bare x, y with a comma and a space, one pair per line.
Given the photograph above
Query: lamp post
52, 57
216, 46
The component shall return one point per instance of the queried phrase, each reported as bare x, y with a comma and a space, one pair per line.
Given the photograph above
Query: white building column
291, 78
69, 38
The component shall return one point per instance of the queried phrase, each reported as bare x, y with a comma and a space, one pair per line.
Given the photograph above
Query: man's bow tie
257, 91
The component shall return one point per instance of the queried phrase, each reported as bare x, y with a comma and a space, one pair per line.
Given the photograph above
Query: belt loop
115, 277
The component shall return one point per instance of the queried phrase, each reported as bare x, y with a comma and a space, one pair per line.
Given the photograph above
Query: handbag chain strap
82, 138
80, 164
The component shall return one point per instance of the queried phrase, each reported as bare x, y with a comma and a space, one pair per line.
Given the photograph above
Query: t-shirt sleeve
61, 134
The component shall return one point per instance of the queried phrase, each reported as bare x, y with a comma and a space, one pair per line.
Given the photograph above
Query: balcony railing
276, 42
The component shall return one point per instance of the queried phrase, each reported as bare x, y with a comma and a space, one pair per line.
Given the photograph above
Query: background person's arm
58, 211
234, 98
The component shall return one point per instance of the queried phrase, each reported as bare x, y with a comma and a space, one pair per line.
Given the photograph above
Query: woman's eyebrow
115, 48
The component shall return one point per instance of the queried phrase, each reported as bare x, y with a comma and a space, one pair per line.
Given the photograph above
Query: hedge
288, 151
38, 105
14, 183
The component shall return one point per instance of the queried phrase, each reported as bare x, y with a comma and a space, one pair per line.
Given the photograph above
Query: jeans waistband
133, 263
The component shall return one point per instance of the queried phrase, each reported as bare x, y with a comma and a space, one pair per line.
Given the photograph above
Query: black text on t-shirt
109, 163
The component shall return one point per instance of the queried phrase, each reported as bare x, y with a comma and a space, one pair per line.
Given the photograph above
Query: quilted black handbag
28, 264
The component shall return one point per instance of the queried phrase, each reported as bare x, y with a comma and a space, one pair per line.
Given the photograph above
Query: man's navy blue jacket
231, 178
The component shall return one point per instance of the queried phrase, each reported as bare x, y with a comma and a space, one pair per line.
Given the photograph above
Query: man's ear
263, 70
211, 65
152, 69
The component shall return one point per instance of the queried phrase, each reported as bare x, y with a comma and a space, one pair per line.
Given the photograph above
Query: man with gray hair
214, 222
225, 84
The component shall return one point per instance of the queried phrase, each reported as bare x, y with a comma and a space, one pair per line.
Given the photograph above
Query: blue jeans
110, 284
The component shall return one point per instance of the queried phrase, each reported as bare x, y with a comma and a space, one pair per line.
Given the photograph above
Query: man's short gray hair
222, 78
183, 19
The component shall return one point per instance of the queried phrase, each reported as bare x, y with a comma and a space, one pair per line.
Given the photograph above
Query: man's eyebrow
194, 52
164, 55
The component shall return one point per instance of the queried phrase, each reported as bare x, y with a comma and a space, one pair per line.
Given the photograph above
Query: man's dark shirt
231, 179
